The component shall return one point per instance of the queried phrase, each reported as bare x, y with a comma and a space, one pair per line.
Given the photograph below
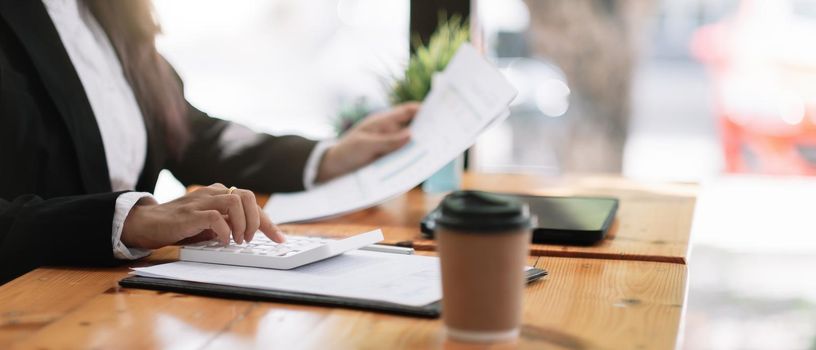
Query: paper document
401, 279
465, 99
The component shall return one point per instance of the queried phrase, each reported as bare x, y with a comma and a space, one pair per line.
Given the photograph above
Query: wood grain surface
582, 304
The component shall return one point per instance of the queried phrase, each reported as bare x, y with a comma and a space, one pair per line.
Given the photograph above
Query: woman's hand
377, 135
204, 214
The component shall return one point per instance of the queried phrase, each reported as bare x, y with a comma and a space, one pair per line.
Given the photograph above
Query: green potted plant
429, 59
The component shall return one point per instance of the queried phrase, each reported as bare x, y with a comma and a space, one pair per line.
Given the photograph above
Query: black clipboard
431, 310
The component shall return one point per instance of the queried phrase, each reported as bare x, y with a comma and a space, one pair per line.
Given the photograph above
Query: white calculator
266, 253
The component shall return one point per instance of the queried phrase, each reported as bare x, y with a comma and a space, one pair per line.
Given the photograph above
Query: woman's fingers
392, 120
203, 236
405, 112
384, 144
397, 119
236, 215
230, 205
213, 220
240, 207
251, 212
211, 190
269, 229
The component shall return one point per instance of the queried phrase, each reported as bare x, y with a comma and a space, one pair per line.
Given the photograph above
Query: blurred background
719, 92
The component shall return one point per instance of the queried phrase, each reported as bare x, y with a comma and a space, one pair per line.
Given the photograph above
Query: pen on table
383, 248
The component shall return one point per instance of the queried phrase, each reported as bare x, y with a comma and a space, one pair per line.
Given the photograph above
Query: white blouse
116, 110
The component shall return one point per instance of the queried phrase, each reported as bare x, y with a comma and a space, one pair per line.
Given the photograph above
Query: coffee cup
483, 241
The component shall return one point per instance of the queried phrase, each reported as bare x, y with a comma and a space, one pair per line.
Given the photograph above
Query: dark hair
132, 28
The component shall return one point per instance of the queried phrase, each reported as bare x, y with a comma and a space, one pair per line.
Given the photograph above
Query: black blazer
56, 204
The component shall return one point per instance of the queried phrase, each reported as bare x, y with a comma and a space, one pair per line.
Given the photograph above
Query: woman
89, 115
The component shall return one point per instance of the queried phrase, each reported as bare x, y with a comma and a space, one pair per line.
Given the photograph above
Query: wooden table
623, 301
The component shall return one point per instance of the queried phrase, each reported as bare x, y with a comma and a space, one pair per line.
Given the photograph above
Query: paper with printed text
467, 98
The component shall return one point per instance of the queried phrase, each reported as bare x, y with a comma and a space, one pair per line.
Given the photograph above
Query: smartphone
560, 220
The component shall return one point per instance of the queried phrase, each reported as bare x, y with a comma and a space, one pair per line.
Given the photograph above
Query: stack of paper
467, 98
401, 279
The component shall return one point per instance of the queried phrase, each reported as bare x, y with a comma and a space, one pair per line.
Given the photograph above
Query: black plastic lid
482, 212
